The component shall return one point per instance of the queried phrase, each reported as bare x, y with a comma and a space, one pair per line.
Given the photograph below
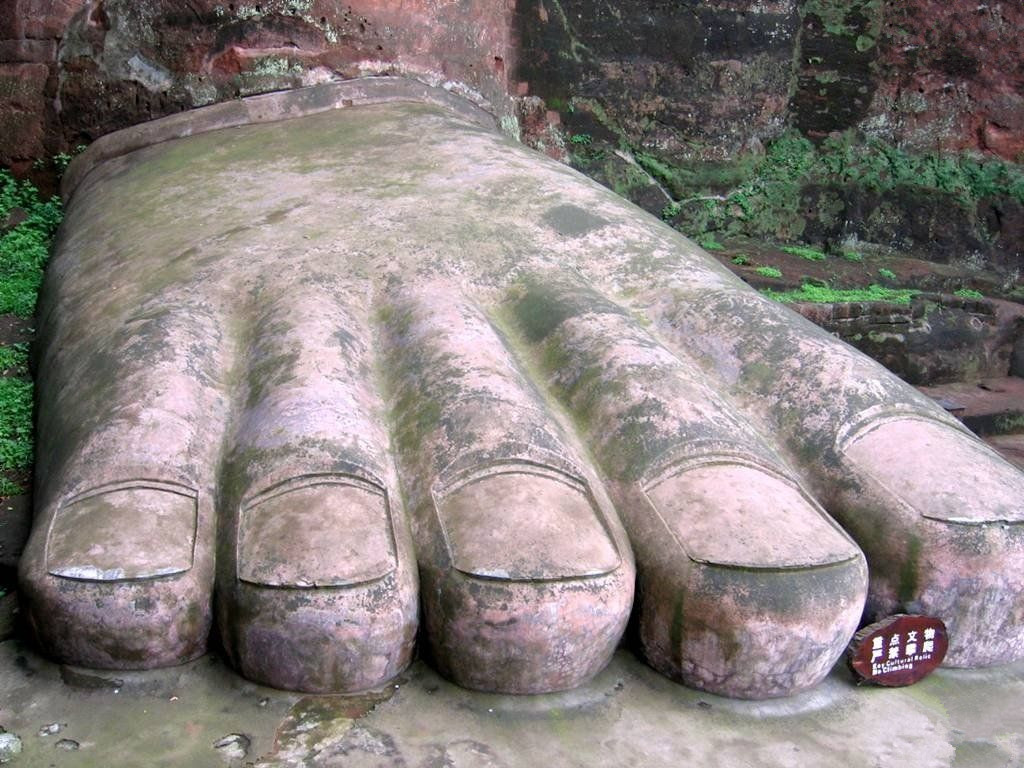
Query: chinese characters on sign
899, 650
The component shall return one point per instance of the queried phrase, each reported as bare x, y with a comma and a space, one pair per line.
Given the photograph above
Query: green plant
25, 248
660, 170
888, 274
15, 431
14, 360
818, 294
581, 139
769, 272
853, 256
811, 254
15, 418
766, 196
62, 159
757, 195
740, 261
878, 167
709, 243
969, 293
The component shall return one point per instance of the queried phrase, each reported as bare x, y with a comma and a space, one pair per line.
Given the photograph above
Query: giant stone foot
330, 358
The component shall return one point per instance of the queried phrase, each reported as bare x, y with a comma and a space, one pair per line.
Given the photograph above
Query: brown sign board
897, 651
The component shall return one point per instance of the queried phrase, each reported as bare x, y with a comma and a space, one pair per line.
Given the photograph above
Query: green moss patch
817, 294
763, 197
969, 293
810, 254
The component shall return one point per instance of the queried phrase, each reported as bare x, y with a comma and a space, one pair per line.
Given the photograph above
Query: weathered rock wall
935, 340
951, 75
73, 70
695, 80
691, 79
710, 78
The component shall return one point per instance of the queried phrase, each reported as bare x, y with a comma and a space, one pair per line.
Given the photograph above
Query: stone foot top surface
378, 373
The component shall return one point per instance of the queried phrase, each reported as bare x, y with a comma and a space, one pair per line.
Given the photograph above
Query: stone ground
981, 405
201, 714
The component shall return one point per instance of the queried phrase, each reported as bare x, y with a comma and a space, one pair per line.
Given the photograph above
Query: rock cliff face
73, 70
952, 75
708, 78
692, 80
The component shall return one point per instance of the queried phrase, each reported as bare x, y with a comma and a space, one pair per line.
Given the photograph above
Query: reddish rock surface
22, 111
120, 63
124, 63
36, 19
700, 80
950, 75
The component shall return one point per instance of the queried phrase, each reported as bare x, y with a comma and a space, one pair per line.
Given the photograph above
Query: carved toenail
316, 531
137, 529
731, 511
524, 522
946, 461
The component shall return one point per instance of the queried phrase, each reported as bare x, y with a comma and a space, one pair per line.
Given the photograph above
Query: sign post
897, 651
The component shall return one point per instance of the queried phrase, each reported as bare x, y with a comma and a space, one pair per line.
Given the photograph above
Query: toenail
317, 531
524, 522
124, 531
946, 461
737, 512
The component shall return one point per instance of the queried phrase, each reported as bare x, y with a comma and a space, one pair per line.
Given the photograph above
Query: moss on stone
847, 18
910, 571
816, 294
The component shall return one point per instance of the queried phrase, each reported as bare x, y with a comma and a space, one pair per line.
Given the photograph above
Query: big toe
953, 514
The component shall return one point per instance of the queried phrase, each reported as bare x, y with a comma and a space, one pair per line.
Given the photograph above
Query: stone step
987, 407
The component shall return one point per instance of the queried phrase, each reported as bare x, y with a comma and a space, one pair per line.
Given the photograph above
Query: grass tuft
817, 294
811, 254
24, 250
969, 293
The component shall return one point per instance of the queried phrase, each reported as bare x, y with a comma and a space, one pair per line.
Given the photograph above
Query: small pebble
10, 746
49, 730
68, 745
234, 746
